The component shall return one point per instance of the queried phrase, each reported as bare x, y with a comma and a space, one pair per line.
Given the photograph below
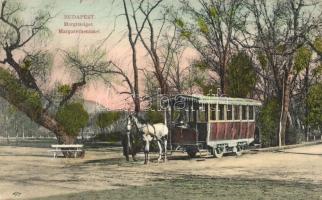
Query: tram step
203, 152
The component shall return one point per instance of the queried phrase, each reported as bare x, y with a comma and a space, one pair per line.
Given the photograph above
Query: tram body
216, 124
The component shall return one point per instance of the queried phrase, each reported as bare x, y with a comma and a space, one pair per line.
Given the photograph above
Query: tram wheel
239, 151
191, 154
192, 151
218, 152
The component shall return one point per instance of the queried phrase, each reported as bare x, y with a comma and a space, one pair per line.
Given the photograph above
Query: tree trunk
137, 106
223, 81
163, 86
44, 118
62, 136
51, 124
306, 103
284, 110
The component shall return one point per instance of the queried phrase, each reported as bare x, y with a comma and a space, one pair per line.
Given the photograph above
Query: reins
144, 125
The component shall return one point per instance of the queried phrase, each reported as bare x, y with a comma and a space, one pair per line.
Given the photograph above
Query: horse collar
145, 125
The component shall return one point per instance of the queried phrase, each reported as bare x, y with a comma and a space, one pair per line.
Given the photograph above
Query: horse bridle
133, 122
140, 129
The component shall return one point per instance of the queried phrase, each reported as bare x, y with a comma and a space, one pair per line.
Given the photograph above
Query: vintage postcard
160, 99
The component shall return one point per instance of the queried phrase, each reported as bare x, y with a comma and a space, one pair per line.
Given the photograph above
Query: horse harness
147, 125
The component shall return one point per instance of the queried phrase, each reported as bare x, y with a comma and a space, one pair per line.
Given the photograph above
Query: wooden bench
60, 148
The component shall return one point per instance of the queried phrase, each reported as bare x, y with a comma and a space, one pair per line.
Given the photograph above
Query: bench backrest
67, 145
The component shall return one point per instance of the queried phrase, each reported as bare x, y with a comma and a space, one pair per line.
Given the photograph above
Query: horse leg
165, 150
146, 151
133, 151
130, 146
148, 159
125, 148
160, 151
127, 157
128, 139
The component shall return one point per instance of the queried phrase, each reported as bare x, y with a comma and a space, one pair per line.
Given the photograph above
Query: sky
104, 17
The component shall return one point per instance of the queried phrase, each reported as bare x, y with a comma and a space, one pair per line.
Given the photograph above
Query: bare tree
91, 64
159, 43
281, 30
157, 35
177, 74
19, 81
167, 73
211, 31
133, 38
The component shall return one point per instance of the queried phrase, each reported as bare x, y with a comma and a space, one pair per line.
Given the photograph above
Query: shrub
154, 117
268, 123
73, 117
105, 119
315, 106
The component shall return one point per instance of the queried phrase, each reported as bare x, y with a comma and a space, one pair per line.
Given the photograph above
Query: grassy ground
194, 187
29, 171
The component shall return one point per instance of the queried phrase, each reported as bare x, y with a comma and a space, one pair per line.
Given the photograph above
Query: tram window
201, 112
244, 112
212, 112
186, 116
229, 112
202, 116
221, 112
251, 112
236, 113
191, 114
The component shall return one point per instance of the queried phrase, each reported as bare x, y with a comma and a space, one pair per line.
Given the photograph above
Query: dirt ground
32, 173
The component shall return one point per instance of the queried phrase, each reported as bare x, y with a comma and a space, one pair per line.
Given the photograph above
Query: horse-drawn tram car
213, 124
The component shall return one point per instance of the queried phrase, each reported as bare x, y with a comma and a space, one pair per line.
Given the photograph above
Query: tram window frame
213, 110
186, 115
244, 113
229, 112
207, 113
251, 115
221, 112
192, 116
202, 114
236, 112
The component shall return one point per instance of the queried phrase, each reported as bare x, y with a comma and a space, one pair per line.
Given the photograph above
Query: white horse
158, 132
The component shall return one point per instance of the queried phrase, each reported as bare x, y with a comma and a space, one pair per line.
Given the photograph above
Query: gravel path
29, 172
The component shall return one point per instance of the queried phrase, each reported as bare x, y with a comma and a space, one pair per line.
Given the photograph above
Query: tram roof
216, 99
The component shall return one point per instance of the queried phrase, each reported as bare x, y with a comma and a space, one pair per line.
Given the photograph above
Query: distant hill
93, 107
